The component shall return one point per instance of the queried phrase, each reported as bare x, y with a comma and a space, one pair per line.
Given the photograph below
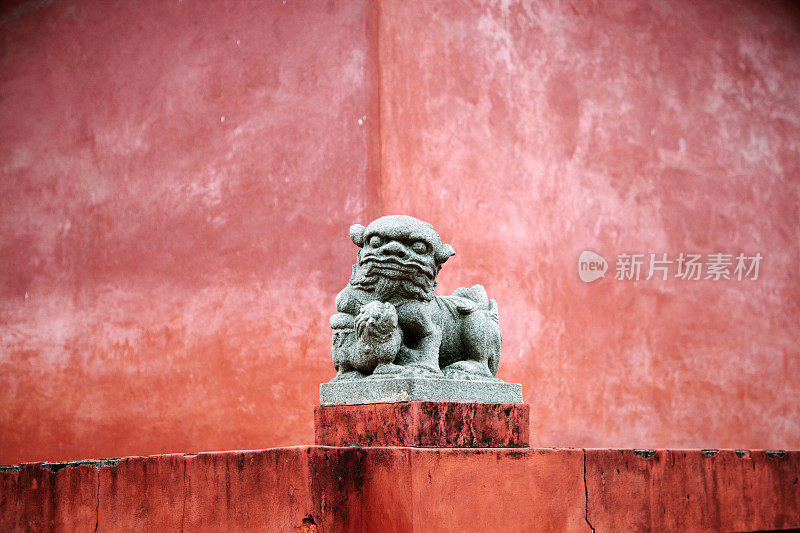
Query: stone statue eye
419, 247
375, 241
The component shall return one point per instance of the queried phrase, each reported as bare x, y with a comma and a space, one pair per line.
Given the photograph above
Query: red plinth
423, 424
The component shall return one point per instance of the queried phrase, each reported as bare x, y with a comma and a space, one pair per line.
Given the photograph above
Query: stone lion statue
390, 323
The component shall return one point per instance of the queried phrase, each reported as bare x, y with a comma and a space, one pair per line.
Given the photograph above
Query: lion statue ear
443, 252
357, 234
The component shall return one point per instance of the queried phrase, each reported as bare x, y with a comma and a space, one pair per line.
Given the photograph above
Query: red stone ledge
317, 488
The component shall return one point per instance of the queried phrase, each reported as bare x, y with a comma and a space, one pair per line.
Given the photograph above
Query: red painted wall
177, 179
177, 183
528, 132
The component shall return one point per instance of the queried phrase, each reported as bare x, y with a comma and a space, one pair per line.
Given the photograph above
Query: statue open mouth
396, 268
386, 276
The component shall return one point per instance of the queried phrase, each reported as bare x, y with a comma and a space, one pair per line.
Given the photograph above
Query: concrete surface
374, 390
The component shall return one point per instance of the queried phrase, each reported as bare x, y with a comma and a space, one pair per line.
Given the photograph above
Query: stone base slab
364, 391
423, 424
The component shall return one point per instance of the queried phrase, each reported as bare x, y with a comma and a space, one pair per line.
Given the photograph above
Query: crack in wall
97, 509
185, 494
586, 493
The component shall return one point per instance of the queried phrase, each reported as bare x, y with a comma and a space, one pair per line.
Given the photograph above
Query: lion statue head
399, 258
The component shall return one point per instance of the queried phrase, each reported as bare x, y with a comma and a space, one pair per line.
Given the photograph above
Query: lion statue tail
473, 299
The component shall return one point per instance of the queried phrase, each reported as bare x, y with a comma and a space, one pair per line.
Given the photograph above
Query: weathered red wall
177, 182
166, 275
325, 489
528, 132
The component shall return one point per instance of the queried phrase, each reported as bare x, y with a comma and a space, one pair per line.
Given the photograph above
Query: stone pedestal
389, 390
423, 424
